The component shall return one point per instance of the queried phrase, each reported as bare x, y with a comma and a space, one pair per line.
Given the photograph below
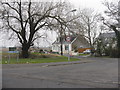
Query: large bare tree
26, 19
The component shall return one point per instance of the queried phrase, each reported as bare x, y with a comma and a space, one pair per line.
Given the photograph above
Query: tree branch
11, 7
39, 27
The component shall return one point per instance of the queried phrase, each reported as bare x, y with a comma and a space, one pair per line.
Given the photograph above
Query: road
95, 73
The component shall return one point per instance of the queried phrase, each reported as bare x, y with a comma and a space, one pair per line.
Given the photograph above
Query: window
66, 47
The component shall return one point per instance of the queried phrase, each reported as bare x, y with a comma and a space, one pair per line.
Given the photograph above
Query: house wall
56, 48
66, 51
80, 43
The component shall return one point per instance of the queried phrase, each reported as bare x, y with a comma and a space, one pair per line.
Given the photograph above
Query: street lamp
74, 10
68, 39
71, 11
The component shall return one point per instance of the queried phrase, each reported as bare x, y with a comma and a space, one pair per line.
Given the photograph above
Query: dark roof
107, 35
72, 37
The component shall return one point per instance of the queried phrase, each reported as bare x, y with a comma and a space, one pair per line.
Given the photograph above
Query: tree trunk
92, 51
25, 53
92, 48
61, 46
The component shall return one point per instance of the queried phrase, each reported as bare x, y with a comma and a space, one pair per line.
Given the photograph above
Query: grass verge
82, 54
38, 60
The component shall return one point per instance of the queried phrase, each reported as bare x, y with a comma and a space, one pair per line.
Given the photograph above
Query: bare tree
67, 18
63, 29
26, 19
112, 19
89, 26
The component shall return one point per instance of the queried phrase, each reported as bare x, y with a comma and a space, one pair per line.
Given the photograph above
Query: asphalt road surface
94, 73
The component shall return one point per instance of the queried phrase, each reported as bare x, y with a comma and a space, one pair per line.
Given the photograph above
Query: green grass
81, 54
39, 60
35, 58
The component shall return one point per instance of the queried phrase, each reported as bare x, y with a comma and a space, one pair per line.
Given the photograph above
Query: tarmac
90, 72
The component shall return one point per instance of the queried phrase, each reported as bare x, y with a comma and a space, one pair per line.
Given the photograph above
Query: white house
70, 44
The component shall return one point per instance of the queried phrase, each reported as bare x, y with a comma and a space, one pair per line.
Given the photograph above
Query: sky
93, 4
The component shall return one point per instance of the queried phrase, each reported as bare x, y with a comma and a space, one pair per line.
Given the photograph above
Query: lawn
83, 54
49, 59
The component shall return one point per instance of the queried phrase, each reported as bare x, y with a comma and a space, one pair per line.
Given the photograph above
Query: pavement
86, 73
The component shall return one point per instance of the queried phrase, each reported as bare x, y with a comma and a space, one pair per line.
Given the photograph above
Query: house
70, 44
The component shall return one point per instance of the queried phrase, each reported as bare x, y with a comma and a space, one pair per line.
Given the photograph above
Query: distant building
70, 43
6, 49
108, 39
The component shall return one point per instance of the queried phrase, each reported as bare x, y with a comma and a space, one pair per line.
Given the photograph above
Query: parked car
87, 51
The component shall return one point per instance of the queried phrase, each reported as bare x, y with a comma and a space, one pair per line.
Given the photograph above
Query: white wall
56, 48
66, 51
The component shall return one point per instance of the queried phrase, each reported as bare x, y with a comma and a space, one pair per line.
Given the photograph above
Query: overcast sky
93, 4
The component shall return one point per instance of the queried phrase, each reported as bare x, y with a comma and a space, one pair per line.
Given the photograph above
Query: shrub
114, 53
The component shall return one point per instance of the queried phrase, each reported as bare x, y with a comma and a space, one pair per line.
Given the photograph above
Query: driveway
90, 73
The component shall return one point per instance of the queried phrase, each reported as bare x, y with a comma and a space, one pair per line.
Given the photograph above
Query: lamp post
68, 39
71, 11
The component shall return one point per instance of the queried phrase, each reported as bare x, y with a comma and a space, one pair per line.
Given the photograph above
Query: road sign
68, 39
12, 48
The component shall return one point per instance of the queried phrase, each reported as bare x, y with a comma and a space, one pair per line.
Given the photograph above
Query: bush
111, 52
34, 56
114, 53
